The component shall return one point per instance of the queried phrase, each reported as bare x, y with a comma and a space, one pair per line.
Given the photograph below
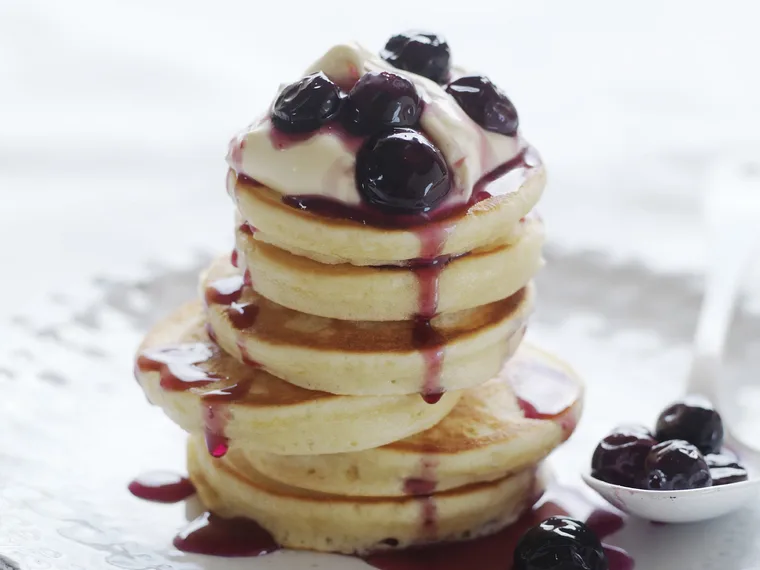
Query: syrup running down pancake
302, 519
362, 358
485, 437
206, 391
392, 293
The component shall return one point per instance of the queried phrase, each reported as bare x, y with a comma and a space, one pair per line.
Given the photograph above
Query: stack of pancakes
353, 380
348, 397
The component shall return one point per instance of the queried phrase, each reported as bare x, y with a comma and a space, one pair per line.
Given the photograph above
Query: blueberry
419, 52
725, 468
560, 543
694, 419
307, 104
676, 465
485, 104
619, 457
402, 172
381, 100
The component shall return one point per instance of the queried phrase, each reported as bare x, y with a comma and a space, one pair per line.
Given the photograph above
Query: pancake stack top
344, 379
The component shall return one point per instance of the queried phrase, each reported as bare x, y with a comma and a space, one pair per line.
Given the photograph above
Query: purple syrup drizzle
284, 141
215, 536
225, 291
179, 365
366, 215
161, 487
212, 535
216, 415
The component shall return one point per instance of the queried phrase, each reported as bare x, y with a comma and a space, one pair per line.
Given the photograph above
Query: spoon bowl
681, 506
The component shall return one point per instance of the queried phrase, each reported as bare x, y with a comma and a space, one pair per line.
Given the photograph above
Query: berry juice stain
179, 365
551, 398
494, 552
224, 291
227, 292
216, 415
364, 214
422, 488
215, 536
161, 487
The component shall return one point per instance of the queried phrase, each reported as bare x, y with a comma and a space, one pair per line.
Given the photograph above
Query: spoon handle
731, 247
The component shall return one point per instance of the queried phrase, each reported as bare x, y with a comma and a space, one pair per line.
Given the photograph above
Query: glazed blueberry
694, 419
306, 105
379, 101
402, 172
485, 104
560, 543
619, 457
419, 52
725, 468
676, 465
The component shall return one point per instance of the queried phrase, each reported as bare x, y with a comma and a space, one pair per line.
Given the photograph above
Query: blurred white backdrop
114, 116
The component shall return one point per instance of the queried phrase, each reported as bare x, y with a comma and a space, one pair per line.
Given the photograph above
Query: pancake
361, 358
302, 519
207, 391
354, 293
485, 437
341, 240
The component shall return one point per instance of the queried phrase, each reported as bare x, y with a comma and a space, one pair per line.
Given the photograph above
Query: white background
114, 116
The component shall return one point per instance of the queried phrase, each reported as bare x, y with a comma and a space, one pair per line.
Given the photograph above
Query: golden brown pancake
392, 293
361, 358
204, 390
309, 520
485, 437
338, 240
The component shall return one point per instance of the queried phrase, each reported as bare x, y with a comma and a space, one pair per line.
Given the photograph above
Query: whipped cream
323, 162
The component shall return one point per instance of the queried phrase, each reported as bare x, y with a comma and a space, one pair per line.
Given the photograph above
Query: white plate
75, 427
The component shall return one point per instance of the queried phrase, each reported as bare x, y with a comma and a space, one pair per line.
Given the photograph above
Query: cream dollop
323, 162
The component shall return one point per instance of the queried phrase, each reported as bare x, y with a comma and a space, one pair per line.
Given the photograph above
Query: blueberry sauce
243, 315
604, 523
283, 141
228, 291
224, 291
551, 399
493, 552
178, 365
216, 415
247, 228
366, 215
161, 487
423, 488
215, 536
180, 370
427, 269
429, 343
212, 535
525, 160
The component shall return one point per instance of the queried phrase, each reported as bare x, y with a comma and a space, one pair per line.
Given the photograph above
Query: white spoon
731, 209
